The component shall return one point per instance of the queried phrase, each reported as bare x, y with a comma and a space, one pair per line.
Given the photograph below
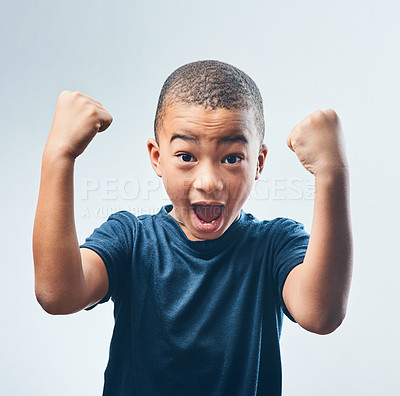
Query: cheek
240, 185
176, 185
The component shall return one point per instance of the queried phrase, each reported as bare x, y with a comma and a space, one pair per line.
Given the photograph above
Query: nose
208, 179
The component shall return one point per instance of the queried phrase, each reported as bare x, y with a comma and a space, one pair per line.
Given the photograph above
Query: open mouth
208, 214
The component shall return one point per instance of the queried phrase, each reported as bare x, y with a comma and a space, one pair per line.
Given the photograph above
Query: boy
200, 288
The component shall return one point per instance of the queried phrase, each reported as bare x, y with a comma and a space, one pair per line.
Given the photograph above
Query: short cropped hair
211, 84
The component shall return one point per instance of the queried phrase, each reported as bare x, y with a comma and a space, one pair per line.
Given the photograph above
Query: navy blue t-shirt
196, 317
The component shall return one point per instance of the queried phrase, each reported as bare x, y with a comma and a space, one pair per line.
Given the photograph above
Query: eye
232, 159
185, 157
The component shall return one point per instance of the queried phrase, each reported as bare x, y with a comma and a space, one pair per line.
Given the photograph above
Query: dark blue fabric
196, 317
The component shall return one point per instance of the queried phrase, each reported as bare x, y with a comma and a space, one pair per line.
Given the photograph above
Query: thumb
104, 121
289, 143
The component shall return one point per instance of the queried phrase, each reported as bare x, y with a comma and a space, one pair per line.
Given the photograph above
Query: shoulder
122, 219
124, 216
274, 231
278, 224
285, 224
128, 220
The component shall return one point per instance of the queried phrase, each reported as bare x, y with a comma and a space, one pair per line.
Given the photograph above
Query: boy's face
208, 160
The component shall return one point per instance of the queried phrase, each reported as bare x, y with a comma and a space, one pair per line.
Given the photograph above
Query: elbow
52, 305
48, 304
327, 328
324, 326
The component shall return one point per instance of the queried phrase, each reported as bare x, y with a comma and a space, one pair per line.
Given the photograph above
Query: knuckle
316, 117
68, 95
91, 111
65, 95
331, 114
297, 130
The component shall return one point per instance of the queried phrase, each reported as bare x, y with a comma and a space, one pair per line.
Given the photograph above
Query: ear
262, 154
154, 153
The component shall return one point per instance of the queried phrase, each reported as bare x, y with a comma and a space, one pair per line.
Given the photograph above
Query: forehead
207, 124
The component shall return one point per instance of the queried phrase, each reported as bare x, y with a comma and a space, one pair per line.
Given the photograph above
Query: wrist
58, 150
332, 171
332, 179
55, 153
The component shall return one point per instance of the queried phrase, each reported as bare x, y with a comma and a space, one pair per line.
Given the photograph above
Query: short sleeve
113, 242
289, 247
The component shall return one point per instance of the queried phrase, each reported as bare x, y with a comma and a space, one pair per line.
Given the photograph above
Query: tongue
208, 213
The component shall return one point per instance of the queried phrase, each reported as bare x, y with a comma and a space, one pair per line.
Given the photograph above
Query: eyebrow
225, 139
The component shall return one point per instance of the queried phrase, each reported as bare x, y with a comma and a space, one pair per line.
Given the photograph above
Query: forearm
327, 269
59, 277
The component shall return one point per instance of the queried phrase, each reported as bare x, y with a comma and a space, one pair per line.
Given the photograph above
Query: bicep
96, 277
290, 291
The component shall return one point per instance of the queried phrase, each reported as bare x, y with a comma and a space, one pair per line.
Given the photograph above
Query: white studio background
304, 55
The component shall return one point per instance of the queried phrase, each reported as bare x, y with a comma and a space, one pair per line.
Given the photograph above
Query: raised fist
318, 143
77, 119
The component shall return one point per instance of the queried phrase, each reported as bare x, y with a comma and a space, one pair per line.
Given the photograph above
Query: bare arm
67, 278
316, 292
